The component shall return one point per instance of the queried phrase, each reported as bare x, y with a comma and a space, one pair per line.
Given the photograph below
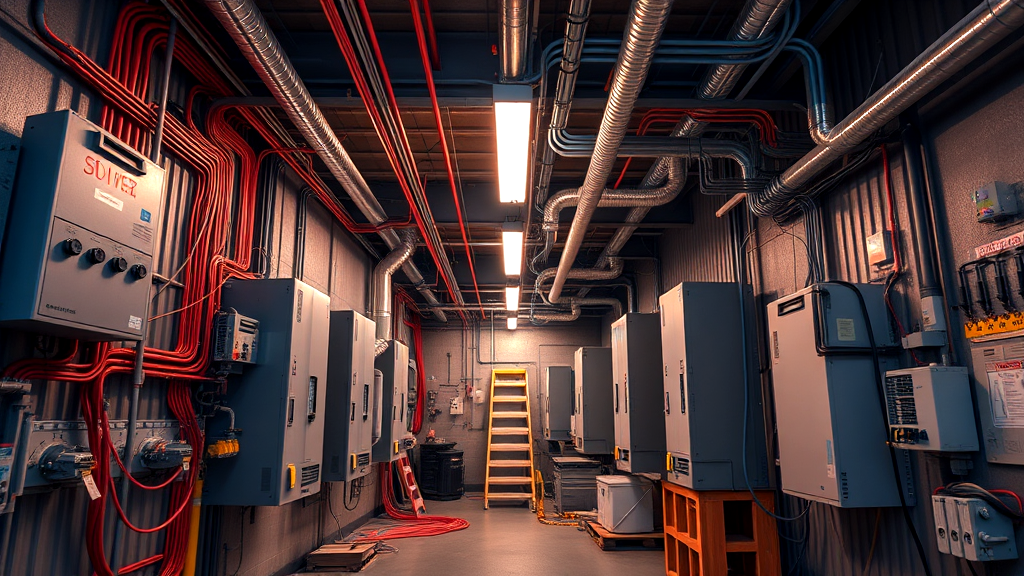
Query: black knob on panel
118, 264
72, 247
139, 271
96, 255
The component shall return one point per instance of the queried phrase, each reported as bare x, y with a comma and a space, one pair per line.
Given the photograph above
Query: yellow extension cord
567, 519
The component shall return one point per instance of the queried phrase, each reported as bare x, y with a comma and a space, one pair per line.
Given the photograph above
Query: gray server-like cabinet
638, 399
832, 440
399, 374
702, 358
592, 417
556, 401
81, 232
278, 401
348, 409
575, 483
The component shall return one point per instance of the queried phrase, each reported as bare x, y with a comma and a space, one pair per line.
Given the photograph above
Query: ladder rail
518, 385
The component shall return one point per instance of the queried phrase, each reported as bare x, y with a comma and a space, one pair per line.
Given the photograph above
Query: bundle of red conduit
411, 526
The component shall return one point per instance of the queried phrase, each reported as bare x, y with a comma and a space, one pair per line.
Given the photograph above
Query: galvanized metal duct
758, 19
575, 308
247, 27
644, 27
381, 283
614, 271
985, 26
514, 26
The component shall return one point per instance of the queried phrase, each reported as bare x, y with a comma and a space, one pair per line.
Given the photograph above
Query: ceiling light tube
512, 298
512, 247
512, 110
512, 322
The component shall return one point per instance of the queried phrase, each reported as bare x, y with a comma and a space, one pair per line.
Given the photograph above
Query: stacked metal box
575, 483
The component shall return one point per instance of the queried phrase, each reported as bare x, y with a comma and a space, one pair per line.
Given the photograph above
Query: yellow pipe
193, 530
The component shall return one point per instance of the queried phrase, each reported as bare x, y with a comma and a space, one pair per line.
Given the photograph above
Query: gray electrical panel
81, 232
702, 353
278, 401
638, 387
999, 385
930, 408
592, 417
348, 408
556, 401
399, 375
832, 437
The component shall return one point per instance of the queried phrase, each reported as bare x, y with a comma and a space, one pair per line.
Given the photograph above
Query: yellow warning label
1010, 322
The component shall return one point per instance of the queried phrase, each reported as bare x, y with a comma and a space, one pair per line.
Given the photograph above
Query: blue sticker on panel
146, 216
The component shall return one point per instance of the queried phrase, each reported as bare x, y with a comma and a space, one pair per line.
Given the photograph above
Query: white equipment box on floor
625, 504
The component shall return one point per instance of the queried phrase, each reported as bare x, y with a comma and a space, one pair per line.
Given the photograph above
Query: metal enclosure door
348, 414
557, 402
395, 436
594, 432
998, 369
279, 401
638, 393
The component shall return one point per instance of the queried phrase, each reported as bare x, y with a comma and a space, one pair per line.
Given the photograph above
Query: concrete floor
509, 541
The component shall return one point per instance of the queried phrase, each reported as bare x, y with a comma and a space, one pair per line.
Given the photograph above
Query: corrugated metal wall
48, 528
974, 139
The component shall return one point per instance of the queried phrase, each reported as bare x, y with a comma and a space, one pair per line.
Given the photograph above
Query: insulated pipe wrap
382, 299
514, 18
758, 19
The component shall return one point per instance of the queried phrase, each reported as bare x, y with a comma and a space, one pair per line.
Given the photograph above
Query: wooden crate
716, 533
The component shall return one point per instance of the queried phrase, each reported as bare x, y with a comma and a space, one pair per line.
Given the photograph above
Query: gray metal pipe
614, 271
647, 19
247, 27
575, 308
382, 299
514, 28
986, 25
758, 19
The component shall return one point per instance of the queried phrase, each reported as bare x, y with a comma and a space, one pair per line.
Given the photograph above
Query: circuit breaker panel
398, 374
702, 352
592, 416
832, 439
348, 409
999, 385
556, 402
278, 401
638, 400
81, 232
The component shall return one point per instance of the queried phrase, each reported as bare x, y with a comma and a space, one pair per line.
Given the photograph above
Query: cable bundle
410, 525
993, 497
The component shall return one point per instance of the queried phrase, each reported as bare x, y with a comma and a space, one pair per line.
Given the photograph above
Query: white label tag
109, 200
184, 464
846, 330
134, 323
90, 485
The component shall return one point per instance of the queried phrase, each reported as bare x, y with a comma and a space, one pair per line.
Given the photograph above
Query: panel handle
122, 154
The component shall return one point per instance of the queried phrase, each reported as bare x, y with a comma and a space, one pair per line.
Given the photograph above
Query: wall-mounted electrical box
637, 393
278, 401
593, 420
972, 529
702, 366
81, 232
999, 386
930, 408
879, 247
556, 402
395, 437
348, 408
995, 201
235, 337
15, 422
832, 442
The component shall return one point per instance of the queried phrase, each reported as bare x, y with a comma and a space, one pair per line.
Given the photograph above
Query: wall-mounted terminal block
973, 529
930, 408
161, 454
62, 462
235, 338
226, 446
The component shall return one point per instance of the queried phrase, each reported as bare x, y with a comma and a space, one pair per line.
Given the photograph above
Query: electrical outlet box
556, 402
235, 337
972, 529
457, 406
278, 401
636, 377
930, 408
348, 407
81, 233
399, 381
995, 201
880, 248
593, 420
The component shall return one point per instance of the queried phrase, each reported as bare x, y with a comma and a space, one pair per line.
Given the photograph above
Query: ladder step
508, 398
511, 431
518, 384
510, 480
508, 414
509, 463
509, 496
509, 447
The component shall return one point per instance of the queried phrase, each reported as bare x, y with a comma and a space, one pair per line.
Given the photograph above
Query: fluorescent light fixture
512, 112
512, 322
512, 247
512, 298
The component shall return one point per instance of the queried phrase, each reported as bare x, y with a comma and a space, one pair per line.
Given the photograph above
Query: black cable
346, 496
971, 566
885, 423
241, 543
330, 505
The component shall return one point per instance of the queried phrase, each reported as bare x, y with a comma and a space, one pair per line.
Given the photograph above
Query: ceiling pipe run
249, 30
514, 27
575, 308
647, 19
382, 297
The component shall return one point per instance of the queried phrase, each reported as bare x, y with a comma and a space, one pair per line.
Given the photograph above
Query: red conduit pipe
435, 56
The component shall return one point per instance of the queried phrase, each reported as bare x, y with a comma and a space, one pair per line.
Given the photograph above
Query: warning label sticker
1006, 395
143, 232
109, 199
846, 330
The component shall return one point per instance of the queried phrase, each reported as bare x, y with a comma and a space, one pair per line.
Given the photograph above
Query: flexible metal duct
246, 26
575, 307
986, 25
382, 289
758, 19
614, 271
646, 22
514, 19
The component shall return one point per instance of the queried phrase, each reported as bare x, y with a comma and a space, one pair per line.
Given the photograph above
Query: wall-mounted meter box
556, 402
348, 409
995, 201
278, 401
81, 232
930, 408
832, 440
637, 388
702, 366
593, 421
235, 337
399, 375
